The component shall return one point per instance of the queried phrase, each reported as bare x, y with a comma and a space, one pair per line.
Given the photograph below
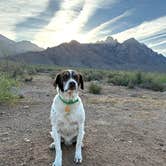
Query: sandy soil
123, 128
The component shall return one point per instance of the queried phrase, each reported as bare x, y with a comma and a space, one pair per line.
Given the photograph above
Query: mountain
108, 54
10, 47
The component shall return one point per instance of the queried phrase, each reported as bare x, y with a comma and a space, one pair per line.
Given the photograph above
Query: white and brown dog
67, 114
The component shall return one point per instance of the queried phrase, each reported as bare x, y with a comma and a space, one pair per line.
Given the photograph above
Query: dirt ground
123, 127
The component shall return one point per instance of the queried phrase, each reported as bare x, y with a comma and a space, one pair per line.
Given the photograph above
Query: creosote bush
94, 88
6, 85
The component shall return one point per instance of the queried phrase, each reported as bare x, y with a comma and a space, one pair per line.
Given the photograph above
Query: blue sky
51, 22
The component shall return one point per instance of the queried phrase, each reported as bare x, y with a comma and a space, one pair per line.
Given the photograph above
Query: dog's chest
67, 125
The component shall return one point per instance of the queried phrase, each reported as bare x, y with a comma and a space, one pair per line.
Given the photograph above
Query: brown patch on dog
81, 81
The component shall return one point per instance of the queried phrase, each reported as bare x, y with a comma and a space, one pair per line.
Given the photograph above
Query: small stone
163, 149
1, 113
133, 95
4, 134
5, 139
161, 144
21, 96
27, 140
26, 107
122, 140
130, 141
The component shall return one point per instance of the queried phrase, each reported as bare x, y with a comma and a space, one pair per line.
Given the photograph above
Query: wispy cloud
157, 44
156, 37
144, 30
68, 22
12, 12
35, 22
96, 33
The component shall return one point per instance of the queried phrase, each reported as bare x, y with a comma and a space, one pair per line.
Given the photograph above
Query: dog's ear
81, 81
58, 82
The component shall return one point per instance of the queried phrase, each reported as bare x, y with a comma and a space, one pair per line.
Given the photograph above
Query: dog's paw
57, 163
52, 146
78, 157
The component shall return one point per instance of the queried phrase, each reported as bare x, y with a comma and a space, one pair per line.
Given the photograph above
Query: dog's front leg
57, 141
78, 152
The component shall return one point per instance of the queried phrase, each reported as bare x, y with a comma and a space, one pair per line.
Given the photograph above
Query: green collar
68, 102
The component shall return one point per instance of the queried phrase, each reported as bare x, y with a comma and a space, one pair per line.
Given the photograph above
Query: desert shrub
138, 78
153, 81
119, 79
93, 75
6, 85
153, 85
131, 84
94, 88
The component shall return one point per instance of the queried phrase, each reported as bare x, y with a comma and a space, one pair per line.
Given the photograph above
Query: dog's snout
72, 84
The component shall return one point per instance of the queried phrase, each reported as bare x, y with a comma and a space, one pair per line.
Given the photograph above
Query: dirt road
123, 128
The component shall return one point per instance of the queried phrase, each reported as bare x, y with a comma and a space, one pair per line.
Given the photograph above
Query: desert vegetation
14, 73
94, 88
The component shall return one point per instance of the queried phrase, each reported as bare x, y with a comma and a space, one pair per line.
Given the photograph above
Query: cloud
144, 30
35, 22
12, 12
155, 37
98, 32
68, 22
157, 44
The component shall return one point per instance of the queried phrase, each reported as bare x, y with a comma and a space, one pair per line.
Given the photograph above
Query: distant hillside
10, 47
108, 54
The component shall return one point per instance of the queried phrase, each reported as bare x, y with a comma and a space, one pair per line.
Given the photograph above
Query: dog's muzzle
72, 85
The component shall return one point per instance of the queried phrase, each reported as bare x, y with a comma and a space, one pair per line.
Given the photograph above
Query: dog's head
69, 80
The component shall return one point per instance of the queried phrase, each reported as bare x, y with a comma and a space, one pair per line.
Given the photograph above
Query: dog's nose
72, 84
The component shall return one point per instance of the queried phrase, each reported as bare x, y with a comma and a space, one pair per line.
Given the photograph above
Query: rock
1, 113
28, 79
133, 95
5, 139
26, 107
163, 149
27, 140
161, 144
21, 96
4, 134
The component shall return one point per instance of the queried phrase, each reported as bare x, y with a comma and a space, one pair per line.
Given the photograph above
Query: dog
67, 114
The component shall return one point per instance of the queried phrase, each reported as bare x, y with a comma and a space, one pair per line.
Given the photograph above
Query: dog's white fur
67, 126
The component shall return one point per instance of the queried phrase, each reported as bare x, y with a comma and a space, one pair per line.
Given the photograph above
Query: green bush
6, 85
138, 78
94, 88
153, 81
93, 75
153, 85
131, 84
121, 80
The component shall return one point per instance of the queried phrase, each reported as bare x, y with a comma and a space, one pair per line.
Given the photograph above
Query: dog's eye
66, 76
75, 76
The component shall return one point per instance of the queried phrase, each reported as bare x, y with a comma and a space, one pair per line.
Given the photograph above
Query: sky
48, 23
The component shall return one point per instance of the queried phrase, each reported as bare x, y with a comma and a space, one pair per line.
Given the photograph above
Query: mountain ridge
9, 47
108, 54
